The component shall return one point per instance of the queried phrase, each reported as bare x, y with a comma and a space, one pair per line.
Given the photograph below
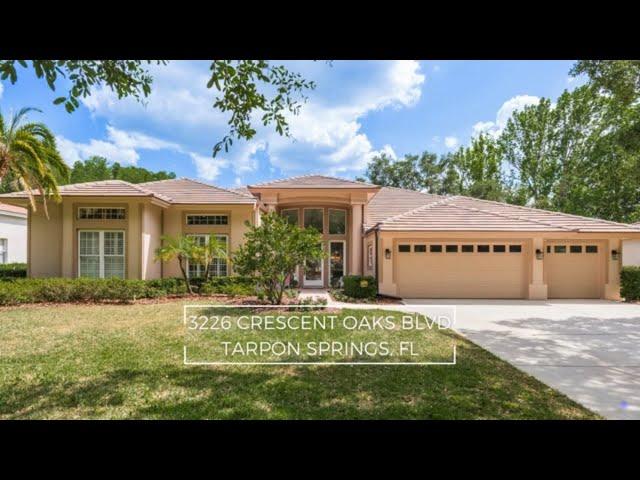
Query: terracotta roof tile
313, 181
185, 190
12, 209
391, 201
101, 188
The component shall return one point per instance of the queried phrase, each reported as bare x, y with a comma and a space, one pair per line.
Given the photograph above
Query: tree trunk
185, 276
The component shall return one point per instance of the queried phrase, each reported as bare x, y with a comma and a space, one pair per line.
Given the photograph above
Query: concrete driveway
587, 349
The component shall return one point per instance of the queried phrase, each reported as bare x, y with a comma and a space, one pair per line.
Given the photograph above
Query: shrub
235, 286
630, 283
359, 286
13, 270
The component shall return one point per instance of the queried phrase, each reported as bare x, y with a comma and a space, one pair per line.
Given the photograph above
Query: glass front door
314, 273
336, 262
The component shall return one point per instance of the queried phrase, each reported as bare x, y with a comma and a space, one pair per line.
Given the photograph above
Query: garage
574, 269
470, 269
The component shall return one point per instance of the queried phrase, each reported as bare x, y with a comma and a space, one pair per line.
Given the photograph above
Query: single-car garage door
574, 269
473, 269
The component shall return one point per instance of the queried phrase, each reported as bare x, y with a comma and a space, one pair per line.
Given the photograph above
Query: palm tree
182, 248
214, 248
28, 154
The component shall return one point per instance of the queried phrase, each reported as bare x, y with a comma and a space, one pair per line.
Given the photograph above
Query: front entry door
314, 273
336, 262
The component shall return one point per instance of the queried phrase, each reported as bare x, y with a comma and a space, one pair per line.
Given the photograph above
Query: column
613, 267
68, 241
537, 287
356, 240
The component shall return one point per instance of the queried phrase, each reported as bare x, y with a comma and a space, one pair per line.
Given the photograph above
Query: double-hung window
3, 250
218, 265
101, 253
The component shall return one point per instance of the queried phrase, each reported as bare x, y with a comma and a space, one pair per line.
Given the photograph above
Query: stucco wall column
612, 287
537, 287
356, 239
67, 240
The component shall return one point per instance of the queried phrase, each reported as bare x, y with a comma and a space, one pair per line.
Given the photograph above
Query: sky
358, 110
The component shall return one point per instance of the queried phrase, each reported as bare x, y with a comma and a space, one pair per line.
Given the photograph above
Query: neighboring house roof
185, 190
182, 190
12, 210
471, 214
313, 181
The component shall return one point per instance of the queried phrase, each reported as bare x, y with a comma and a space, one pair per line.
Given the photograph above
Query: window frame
329, 210
4, 255
104, 209
370, 255
101, 255
297, 210
218, 265
304, 222
219, 215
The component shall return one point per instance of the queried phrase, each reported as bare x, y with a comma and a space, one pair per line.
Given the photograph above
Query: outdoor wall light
538, 254
387, 254
614, 255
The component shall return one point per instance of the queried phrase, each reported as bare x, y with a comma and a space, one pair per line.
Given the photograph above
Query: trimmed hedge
61, 290
630, 283
359, 286
13, 270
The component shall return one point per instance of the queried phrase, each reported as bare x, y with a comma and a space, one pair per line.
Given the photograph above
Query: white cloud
451, 142
120, 146
330, 136
208, 168
504, 113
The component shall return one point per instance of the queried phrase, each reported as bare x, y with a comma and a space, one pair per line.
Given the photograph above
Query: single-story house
631, 251
417, 245
13, 234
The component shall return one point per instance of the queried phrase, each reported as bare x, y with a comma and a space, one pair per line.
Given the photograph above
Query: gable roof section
187, 191
313, 181
470, 214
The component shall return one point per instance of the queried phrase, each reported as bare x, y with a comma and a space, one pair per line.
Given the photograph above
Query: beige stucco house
417, 245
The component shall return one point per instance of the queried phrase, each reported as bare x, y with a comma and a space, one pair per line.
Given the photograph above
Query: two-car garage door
473, 269
496, 269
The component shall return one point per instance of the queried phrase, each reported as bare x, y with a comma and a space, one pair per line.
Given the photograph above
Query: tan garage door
574, 269
461, 270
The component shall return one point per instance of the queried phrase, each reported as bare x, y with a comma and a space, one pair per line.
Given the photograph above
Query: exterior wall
151, 229
368, 241
14, 229
175, 224
44, 250
631, 253
537, 287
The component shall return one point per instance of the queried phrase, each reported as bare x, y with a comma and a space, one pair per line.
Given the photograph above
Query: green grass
113, 361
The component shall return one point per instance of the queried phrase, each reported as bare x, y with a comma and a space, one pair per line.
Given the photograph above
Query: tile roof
471, 214
12, 209
391, 201
117, 188
313, 181
181, 190
185, 190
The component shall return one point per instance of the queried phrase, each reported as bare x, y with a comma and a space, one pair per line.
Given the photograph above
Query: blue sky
359, 108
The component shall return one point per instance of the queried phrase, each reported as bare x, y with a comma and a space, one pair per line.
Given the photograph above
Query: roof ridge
442, 201
512, 217
523, 207
307, 175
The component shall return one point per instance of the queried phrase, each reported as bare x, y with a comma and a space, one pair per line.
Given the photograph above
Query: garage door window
404, 248
483, 248
591, 249
419, 248
467, 248
435, 248
575, 249
515, 248
560, 249
499, 249
451, 248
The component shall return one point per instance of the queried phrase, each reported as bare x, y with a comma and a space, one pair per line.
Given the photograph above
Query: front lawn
126, 361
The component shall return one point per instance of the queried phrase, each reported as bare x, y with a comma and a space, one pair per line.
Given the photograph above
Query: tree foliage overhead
247, 89
97, 168
579, 154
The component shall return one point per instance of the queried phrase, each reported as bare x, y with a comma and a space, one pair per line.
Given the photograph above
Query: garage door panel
462, 275
574, 275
